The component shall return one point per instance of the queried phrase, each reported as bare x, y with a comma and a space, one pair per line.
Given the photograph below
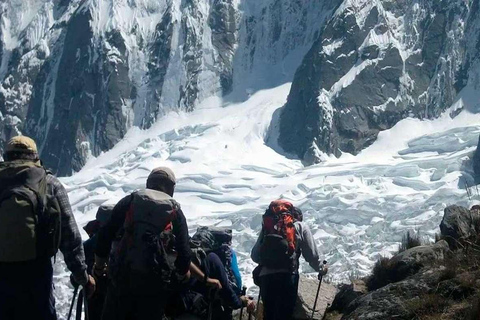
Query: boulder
459, 223
388, 302
347, 294
406, 264
307, 290
421, 255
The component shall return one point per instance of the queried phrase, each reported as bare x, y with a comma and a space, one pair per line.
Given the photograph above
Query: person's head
21, 148
102, 217
162, 179
92, 228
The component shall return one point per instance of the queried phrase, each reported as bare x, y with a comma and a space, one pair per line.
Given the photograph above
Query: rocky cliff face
377, 62
76, 75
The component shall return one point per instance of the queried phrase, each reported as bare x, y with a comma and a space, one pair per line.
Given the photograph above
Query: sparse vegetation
384, 272
410, 240
475, 311
427, 305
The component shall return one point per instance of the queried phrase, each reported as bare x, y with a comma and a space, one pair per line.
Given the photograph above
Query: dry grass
384, 272
427, 306
410, 240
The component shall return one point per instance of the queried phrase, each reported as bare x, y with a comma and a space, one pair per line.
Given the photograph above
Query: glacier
358, 207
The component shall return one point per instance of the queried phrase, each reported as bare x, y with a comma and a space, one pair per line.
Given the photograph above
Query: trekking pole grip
320, 278
323, 271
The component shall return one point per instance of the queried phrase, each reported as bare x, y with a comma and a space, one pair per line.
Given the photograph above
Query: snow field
357, 207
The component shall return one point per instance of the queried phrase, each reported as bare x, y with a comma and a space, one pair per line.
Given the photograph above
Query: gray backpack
141, 257
29, 215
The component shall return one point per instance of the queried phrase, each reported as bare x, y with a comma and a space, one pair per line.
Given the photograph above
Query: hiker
229, 300
212, 252
150, 254
283, 238
95, 303
35, 221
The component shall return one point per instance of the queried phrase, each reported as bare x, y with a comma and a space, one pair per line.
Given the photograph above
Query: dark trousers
128, 306
279, 295
95, 306
26, 291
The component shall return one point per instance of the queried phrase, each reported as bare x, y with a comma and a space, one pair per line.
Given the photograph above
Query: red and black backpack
279, 247
142, 254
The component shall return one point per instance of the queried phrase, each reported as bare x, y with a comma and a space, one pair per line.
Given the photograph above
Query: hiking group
139, 261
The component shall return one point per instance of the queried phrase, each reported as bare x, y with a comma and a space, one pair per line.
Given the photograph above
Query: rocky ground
434, 281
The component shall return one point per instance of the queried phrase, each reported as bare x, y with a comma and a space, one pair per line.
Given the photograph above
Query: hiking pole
257, 307
243, 293
249, 314
212, 294
320, 278
75, 291
78, 316
85, 304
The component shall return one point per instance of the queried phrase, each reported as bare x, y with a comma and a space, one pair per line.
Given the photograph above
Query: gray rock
388, 302
406, 264
411, 259
307, 291
458, 224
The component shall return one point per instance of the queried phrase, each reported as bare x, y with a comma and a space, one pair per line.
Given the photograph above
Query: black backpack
218, 241
30, 217
140, 260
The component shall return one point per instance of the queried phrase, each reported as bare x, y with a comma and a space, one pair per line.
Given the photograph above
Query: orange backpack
279, 246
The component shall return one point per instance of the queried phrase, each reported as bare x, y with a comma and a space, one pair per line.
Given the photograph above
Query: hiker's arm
216, 269
256, 248
108, 232
200, 276
180, 230
70, 239
309, 248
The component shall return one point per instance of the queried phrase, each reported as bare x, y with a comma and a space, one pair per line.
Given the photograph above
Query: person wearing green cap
143, 249
35, 221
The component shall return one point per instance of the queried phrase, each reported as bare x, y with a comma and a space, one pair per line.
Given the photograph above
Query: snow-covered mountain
76, 75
